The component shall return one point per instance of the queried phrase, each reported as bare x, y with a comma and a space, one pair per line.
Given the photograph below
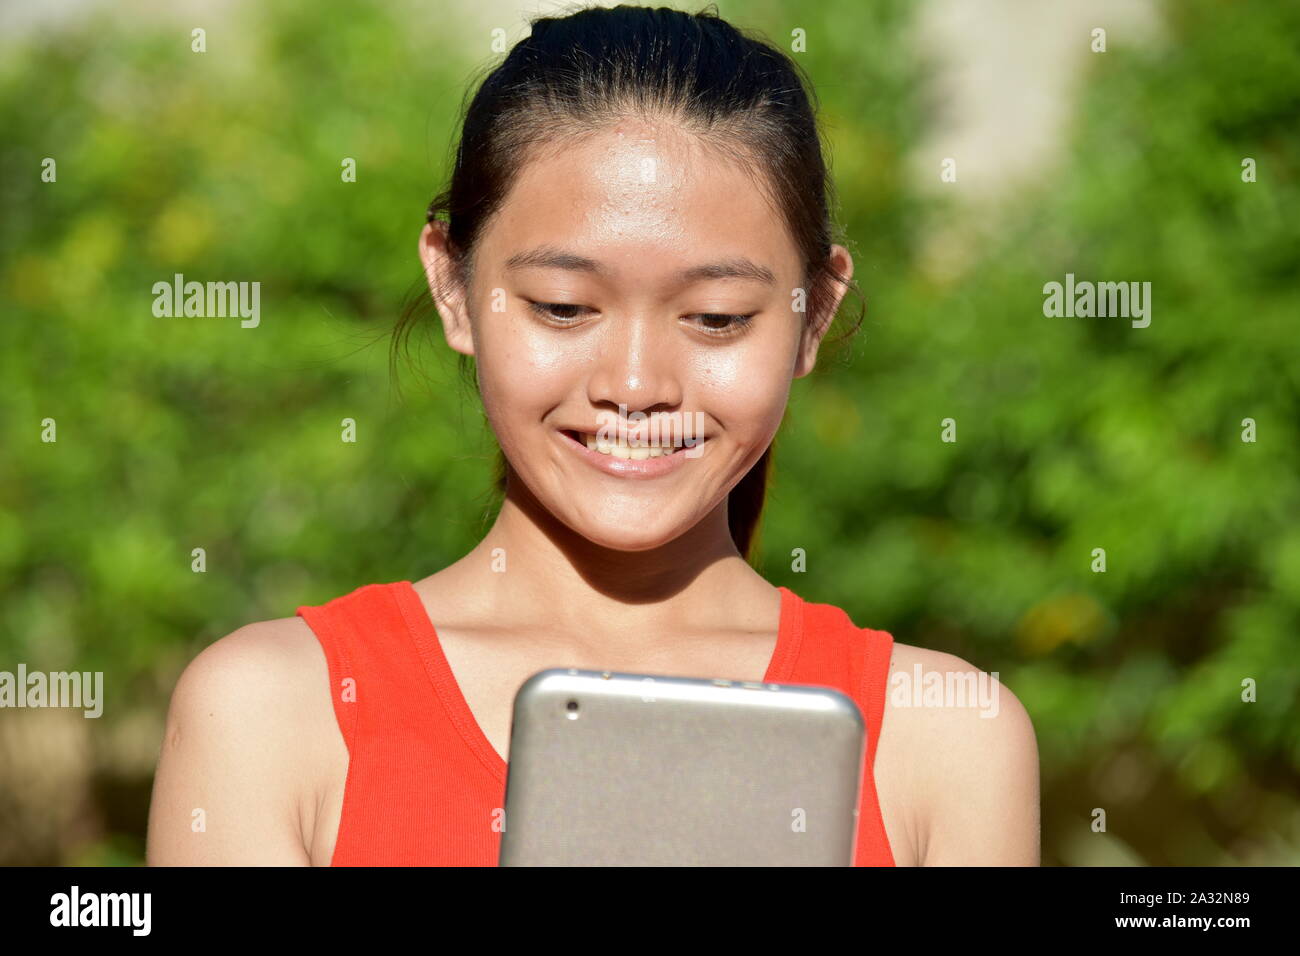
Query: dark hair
581, 72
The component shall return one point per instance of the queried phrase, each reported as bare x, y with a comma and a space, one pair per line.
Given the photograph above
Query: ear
447, 286
810, 339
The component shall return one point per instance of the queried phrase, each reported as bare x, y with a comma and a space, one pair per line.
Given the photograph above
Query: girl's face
632, 271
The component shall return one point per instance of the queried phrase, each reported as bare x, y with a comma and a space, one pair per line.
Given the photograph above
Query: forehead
639, 195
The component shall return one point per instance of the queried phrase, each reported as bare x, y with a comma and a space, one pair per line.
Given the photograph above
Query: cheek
745, 388
522, 371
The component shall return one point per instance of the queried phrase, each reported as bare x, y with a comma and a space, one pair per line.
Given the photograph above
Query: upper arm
983, 789
228, 786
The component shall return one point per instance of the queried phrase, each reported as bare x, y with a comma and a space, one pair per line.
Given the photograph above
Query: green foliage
1073, 434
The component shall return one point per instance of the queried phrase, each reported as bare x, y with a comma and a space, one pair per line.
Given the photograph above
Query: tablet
613, 769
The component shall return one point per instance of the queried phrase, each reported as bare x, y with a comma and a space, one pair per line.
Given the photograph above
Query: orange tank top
424, 785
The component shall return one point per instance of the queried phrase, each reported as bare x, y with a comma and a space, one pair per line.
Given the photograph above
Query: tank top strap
372, 661
837, 653
415, 794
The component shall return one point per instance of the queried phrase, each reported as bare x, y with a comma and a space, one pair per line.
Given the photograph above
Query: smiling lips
628, 460
633, 450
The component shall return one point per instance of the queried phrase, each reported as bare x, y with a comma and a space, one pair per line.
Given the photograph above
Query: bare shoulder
239, 759
254, 682
972, 743
945, 690
260, 665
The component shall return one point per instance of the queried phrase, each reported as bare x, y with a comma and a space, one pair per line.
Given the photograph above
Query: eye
734, 324
562, 312
714, 324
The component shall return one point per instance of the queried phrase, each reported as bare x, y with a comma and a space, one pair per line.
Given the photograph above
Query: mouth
628, 460
629, 451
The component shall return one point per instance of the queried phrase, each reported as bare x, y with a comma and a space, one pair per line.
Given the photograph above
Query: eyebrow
548, 257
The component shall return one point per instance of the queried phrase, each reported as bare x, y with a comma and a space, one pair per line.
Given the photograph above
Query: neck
698, 580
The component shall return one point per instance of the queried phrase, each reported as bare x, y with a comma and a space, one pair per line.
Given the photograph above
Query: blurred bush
1073, 434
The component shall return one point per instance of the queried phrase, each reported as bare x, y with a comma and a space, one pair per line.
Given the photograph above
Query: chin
624, 538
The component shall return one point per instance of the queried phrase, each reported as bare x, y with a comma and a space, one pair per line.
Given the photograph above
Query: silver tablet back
610, 769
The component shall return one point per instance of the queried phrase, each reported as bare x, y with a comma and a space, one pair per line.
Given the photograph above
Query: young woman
636, 233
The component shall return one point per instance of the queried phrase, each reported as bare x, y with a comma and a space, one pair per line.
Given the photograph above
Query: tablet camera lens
572, 708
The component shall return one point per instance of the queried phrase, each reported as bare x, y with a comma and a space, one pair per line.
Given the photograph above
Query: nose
638, 366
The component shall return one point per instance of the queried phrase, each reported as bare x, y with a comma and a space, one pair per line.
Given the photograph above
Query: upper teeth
630, 451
